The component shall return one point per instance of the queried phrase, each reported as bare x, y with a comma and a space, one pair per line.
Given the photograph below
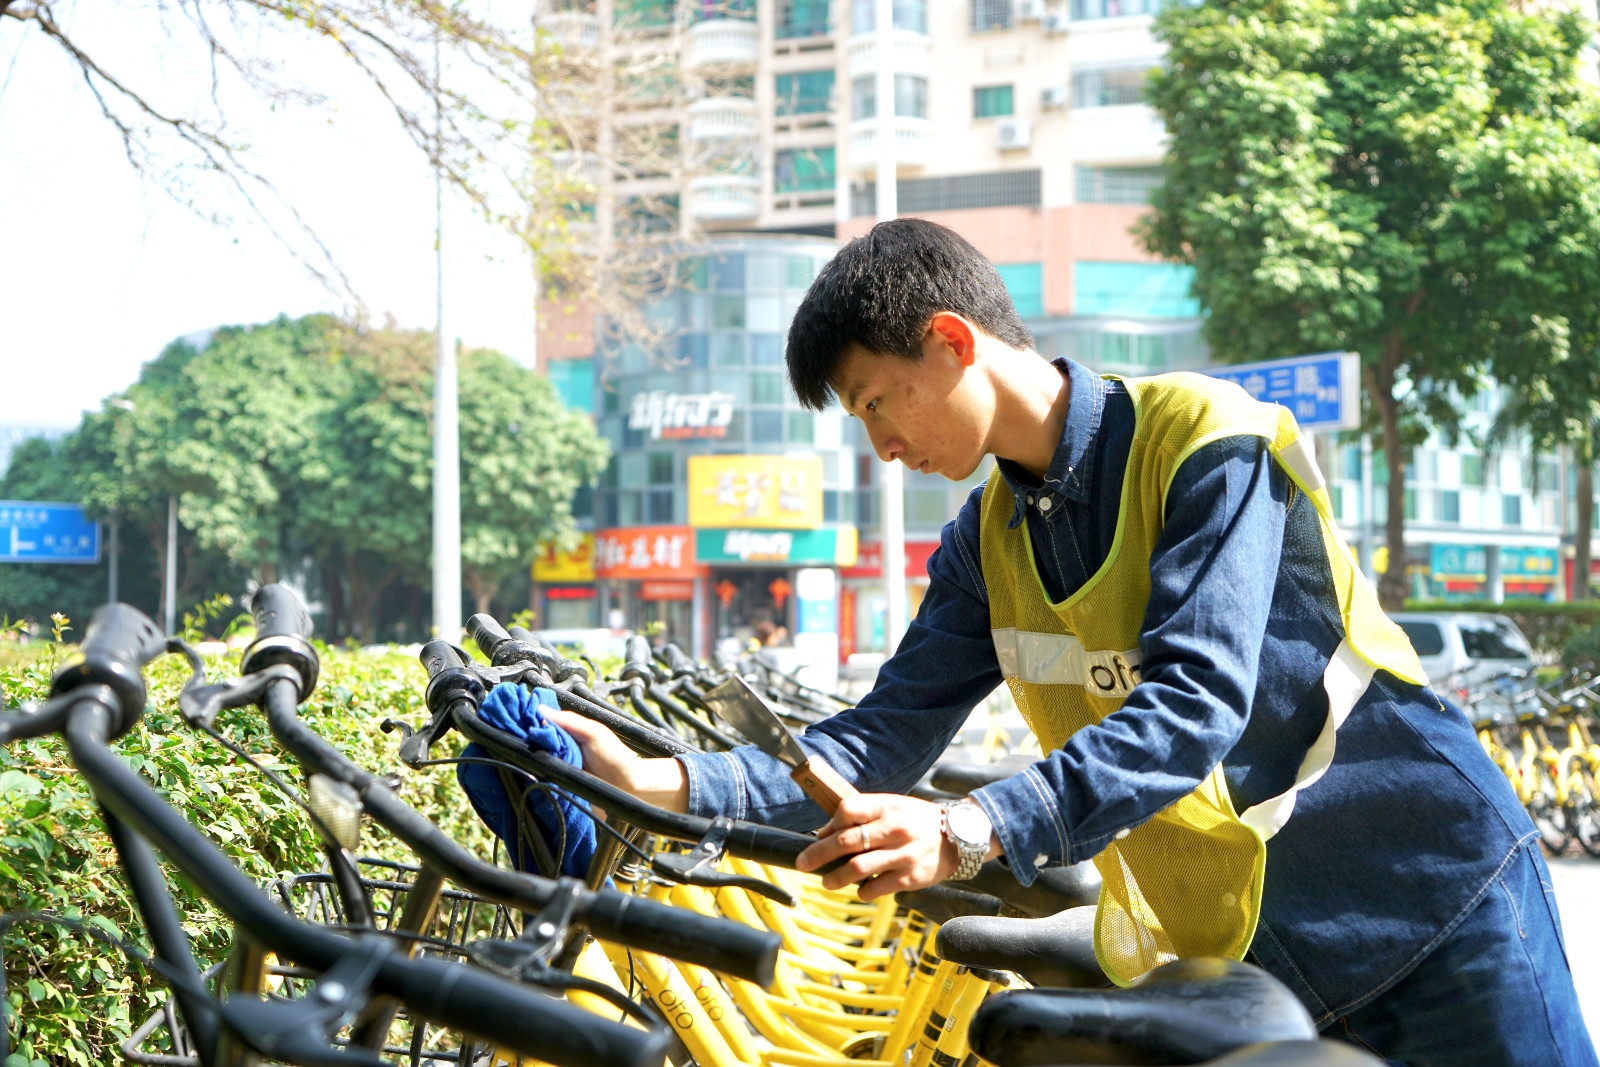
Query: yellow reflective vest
1188, 881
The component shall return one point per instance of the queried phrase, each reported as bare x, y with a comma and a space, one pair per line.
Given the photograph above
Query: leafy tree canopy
1414, 181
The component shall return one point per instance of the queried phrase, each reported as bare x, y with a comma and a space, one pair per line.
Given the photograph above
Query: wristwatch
969, 828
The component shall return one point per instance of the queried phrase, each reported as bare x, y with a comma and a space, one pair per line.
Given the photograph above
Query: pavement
1577, 882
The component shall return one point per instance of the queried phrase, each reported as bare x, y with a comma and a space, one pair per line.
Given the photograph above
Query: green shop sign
829, 546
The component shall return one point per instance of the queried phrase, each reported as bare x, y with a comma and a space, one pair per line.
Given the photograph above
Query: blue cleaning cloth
515, 709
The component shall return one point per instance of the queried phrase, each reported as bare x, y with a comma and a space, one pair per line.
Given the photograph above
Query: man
1233, 730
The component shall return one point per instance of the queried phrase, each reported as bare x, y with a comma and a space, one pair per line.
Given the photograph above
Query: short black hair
880, 292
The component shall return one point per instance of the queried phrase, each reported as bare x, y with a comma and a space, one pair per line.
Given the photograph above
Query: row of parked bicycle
1543, 737
680, 938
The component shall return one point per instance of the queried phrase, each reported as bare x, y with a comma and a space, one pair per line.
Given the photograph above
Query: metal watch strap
969, 857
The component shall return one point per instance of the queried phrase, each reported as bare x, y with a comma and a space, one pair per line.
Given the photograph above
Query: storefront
564, 594
862, 605
648, 581
1470, 572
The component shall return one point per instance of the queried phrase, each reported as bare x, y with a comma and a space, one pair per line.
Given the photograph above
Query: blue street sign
33, 531
1323, 391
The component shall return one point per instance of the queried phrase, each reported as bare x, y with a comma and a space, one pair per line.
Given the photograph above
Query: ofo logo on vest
1061, 659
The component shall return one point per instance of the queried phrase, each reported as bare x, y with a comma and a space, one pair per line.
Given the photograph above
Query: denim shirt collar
1072, 466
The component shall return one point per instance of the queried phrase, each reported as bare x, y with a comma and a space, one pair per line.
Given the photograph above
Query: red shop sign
666, 589
869, 563
645, 552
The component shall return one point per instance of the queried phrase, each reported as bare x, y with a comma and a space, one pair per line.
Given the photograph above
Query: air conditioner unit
1013, 133
1053, 96
1054, 22
1030, 10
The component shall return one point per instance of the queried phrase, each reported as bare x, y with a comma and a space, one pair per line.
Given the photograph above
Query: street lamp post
891, 488
446, 430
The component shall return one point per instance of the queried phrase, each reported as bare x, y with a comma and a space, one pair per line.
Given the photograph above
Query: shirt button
1044, 503
1120, 834
1030, 498
1040, 860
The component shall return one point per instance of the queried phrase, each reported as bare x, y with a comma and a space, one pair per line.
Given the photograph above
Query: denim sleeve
943, 667
1211, 581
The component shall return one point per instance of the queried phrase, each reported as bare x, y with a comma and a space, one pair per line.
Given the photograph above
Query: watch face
969, 824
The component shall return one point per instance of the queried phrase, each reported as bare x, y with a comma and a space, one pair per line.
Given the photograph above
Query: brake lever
529, 955
300, 1031
200, 701
698, 866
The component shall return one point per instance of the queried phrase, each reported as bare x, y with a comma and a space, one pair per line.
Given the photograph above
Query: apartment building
1019, 123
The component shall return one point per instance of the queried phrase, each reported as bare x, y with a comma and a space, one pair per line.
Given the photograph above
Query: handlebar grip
278, 610
675, 659
118, 642
487, 634
729, 947
439, 655
637, 659
519, 1017
533, 639
283, 629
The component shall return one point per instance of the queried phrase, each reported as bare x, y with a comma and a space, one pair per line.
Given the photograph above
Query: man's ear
956, 332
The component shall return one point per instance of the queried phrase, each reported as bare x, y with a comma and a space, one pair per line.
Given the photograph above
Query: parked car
597, 643
1463, 652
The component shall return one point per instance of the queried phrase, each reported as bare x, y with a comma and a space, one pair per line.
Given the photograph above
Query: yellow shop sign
775, 492
552, 565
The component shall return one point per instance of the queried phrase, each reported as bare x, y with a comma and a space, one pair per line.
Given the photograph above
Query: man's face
932, 415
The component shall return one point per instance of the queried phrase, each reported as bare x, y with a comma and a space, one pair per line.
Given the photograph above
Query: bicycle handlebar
118, 642
283, 631
462, 998
721, 945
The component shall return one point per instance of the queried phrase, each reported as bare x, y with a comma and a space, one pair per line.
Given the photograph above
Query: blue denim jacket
1382, 857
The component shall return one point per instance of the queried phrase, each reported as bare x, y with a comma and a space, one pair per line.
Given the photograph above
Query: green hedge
71, 1000
1554, 630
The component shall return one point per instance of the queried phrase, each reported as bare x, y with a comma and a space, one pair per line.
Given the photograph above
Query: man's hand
661, 782
897, 844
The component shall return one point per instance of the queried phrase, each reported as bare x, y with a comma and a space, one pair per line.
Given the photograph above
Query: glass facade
722, 333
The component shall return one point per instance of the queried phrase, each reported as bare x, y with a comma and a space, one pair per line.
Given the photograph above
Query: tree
477, 122
1357, 176
527, 454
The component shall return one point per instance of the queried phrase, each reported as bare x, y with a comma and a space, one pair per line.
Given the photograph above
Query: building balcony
724, 42
913, 143
911, 53
724, 118
572, 30
725, 198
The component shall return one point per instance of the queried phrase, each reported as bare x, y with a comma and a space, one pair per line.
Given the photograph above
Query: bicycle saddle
962, 778
1057, 951
1187, 1011
943, 903
1054, 890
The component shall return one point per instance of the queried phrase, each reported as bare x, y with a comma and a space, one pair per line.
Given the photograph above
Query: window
805, 92
658, 506
727, 313
660, 468
630, 509
1449, 505
989, 101
727, 349
766, 427
991, 15
1140, 290
610, 510
802, 18
830, 505
908, 15
801, 428
1472, 470
766, 350
864, 97
1108, 88
1426, 637
1511, 509
804, 170
1110, 9
910, 96
1025, 283
1409, 504
766, 388
692, 351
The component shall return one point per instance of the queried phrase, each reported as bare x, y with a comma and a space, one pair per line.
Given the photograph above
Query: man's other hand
661, 782
896, 844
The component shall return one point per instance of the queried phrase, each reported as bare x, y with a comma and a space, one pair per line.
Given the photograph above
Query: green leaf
16, 783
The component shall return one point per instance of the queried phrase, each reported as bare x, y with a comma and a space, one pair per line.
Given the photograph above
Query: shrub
71, 1000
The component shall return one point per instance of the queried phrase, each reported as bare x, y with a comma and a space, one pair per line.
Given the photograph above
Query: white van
1462, 651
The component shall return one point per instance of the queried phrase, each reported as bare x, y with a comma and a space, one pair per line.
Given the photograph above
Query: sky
103, 267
